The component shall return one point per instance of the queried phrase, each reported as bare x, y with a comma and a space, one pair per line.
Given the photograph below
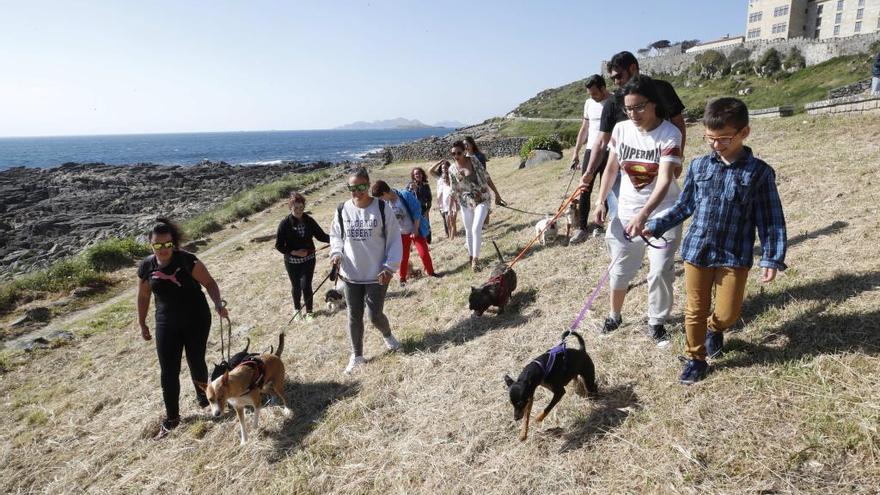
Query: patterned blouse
471, 190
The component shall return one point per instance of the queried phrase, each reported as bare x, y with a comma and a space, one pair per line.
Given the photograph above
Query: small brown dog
244, 385
572, 216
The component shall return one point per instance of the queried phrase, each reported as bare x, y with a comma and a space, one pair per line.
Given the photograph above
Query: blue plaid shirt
728, 202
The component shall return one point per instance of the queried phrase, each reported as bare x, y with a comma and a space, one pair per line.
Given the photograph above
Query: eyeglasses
162, 245
640, 108
721, 140
358, 187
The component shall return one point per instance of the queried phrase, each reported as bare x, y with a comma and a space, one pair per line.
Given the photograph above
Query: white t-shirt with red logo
640, 155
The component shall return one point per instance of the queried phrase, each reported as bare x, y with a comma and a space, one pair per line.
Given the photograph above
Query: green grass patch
61, 276
801, 87
37, 418
248, 202
114, 253
116, 317
567, 130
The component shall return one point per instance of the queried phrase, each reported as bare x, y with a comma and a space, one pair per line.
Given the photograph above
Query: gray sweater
364, 251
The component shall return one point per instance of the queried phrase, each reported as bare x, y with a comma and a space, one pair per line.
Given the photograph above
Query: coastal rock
537, 157
51, 213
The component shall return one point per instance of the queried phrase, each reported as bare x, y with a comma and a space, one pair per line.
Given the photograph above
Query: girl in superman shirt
646, 149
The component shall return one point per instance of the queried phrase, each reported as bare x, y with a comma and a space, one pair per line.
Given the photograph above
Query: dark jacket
423, 192
875, 71
287, 238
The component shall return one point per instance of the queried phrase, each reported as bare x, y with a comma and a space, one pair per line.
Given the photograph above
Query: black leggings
584, 203
301, 281
171, 340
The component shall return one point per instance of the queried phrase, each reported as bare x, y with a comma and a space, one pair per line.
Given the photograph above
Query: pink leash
590, 300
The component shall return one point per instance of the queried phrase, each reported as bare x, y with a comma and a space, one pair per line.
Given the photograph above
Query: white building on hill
817, 19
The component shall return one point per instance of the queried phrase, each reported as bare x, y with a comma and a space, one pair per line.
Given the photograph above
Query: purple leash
590, 300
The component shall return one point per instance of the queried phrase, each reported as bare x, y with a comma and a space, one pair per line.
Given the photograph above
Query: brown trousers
730, 286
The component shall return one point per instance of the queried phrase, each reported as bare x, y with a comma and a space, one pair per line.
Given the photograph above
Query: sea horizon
190, 148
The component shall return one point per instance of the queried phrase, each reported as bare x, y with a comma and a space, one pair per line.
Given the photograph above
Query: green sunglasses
162, 245
358, 187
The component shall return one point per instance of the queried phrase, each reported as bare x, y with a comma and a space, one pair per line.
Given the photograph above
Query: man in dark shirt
622, 67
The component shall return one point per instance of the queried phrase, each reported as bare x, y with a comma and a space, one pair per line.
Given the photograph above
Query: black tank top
178, 295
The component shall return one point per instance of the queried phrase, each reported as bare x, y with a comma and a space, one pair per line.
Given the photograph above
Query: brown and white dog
547, 230
572, 216
244, 385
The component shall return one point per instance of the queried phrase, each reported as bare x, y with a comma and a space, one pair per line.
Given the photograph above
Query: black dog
495, 292
234, 361
553, 370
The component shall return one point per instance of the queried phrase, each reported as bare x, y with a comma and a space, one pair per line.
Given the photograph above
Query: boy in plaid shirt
731, 194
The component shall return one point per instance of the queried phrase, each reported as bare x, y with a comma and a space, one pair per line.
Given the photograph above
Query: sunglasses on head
358, 187
162, 245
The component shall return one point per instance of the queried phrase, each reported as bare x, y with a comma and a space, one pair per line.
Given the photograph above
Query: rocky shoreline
47, 214
52, 213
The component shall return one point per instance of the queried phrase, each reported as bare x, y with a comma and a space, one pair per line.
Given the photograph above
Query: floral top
473, 189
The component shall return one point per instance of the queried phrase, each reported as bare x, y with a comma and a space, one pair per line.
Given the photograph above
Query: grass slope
793, 407
804, 86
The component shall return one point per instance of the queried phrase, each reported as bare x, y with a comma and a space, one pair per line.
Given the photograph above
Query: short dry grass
794, 407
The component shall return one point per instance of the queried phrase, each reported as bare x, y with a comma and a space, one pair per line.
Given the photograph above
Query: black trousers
301, 275
171, 340
584, 203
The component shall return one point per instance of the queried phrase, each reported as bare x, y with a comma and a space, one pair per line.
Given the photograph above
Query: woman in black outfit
294, 241
183, 319
420, 187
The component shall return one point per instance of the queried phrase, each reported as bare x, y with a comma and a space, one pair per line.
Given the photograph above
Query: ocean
239, 148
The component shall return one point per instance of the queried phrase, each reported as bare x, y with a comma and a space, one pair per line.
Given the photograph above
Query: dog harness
259, 369
503, 293
552, 354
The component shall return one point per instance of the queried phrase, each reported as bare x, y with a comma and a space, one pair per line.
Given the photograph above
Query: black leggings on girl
301, 281
171, 341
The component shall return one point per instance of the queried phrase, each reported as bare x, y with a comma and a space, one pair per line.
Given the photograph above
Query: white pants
473, 219
661, 274
875, 86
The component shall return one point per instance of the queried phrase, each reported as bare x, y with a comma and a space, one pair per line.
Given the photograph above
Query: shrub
114, 253
874, 48
710, 64
540, 143
738, 54
794, 60
770, 63
568, 137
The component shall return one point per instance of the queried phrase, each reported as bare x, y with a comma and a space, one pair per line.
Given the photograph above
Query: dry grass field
793, 406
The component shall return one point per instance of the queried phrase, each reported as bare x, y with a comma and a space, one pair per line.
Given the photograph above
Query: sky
79, 67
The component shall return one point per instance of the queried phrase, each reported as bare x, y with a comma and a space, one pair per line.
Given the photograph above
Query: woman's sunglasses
162, 245
358, 187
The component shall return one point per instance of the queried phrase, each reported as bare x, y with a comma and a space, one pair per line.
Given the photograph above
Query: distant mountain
398, 123
451, 124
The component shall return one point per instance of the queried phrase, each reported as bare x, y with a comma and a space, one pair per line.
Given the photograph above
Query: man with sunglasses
365, 245
623, 67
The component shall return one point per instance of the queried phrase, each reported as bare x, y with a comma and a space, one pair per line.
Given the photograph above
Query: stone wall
435, 148
772, 112
844, 105
814, 51
853, 89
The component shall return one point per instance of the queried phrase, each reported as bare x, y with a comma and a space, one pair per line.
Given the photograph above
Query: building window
816, 34
878, 23
780, 11
819, 9
755, 16
838, 17
861, 3
779, 28
860, 13
754, 33
858, 26
839, 5
836, 30
818, 21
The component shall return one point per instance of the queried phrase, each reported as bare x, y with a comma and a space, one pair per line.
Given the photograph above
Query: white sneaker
578, 237
391, 343
354, 363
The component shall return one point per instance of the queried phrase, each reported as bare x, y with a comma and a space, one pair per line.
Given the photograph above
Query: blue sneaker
694, 371
714, 344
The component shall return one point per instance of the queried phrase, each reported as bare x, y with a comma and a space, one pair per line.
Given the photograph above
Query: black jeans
300, 275
584, 203
171, 341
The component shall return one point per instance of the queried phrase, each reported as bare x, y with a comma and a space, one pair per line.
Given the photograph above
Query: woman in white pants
647, 149
470, 184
